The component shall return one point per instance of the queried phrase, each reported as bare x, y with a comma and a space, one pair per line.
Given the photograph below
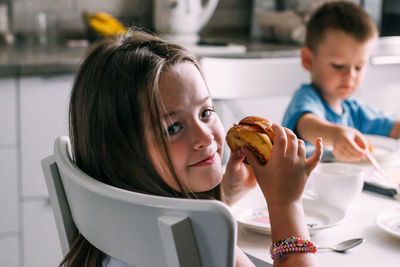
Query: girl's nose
202, 136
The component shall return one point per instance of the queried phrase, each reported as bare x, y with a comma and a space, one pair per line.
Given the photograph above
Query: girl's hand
283, 178
238, 178
349, 144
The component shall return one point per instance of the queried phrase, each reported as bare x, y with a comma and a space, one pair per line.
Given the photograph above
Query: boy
340, 38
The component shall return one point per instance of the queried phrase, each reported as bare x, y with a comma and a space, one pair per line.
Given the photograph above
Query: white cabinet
381, 87
9, 222
41, 243
9, 200
8, 112
9, 251
252, 86
9, 208
44, 116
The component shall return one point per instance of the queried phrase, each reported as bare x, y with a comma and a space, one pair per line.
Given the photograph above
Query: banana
104, 23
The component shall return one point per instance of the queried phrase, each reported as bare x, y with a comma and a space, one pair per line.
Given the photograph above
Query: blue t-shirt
356, 114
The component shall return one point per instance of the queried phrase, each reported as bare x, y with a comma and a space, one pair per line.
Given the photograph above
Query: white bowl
339, 184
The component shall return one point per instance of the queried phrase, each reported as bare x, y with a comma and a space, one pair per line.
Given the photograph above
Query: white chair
244, 78
140, 229
252, 86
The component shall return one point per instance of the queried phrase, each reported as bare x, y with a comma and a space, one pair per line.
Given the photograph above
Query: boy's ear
306, 57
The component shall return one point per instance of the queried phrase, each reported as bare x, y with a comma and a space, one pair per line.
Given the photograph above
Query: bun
255, 133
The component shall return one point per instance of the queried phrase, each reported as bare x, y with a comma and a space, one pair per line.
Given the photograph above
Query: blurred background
59, 20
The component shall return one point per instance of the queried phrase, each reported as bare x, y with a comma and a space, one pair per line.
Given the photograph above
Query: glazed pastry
255, 133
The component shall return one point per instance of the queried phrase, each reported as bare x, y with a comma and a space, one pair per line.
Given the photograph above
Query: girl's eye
174, 129
358, 68
207, 112
337, 66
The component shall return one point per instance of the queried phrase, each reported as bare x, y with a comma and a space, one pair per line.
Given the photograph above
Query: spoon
345, 245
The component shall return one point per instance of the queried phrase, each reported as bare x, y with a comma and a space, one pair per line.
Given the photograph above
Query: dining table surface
380, 248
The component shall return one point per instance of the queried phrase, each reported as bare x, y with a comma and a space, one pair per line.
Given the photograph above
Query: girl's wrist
288, 205
282, 202
287, 220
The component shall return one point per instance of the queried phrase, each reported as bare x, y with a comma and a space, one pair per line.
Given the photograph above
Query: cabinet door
9, 208
44, 116
9, 246
8, 117
9, 222
41, 243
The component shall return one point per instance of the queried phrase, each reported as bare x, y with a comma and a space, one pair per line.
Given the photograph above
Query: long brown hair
114, 108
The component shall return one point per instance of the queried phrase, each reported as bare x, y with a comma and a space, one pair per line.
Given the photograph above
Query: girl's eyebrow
167, 115
203, 100
177, 111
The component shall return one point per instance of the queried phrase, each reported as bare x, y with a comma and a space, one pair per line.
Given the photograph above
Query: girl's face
338, 66
195, 131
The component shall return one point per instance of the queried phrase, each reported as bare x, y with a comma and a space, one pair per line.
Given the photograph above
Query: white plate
384, 148
389, 221
318, 216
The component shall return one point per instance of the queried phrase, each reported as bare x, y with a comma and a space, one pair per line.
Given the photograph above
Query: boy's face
195, 131
338, 65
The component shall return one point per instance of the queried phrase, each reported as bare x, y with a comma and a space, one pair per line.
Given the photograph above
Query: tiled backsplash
66, 15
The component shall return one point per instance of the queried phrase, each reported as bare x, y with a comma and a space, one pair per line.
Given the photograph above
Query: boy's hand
283, 178
349, 144
238, 178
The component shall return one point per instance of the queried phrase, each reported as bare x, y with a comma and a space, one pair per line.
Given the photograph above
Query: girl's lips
205, 162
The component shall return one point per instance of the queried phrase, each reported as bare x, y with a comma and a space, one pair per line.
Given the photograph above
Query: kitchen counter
36, 59
27, 60
30, 60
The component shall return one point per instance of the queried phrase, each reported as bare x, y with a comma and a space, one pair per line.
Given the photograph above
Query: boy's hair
343, 16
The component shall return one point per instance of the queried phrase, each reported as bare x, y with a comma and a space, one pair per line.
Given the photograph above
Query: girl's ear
306, 57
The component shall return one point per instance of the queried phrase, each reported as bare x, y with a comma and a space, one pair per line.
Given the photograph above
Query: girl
142, 119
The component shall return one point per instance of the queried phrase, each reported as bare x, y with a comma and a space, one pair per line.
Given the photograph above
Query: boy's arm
395, 132
348, 143
309, 127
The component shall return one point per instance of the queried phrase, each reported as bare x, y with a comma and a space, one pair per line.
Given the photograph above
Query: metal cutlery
386, 191
344, 246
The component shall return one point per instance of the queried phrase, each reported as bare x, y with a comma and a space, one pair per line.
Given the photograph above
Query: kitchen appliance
5, 29
181, 20
386, 14
390, 24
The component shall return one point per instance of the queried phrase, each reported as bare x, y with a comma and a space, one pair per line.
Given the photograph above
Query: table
379, 248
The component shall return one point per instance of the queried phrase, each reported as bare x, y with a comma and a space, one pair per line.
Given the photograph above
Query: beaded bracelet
281, 248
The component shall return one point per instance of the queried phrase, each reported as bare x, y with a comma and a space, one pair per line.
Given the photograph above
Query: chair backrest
244, 78
140, 229
252, 86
